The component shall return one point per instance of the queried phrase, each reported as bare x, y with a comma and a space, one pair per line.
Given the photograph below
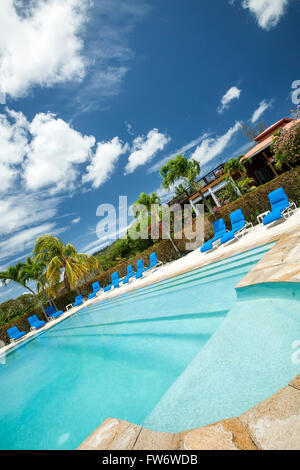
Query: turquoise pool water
134, 357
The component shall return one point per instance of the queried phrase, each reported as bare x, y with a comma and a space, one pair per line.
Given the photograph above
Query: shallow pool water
122, 358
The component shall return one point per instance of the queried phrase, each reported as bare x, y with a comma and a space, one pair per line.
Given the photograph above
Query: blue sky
95, 96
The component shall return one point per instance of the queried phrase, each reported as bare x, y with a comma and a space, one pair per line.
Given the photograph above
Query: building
209, 186
259, 161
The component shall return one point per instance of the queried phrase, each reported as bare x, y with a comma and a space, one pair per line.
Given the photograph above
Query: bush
256, 202
21, 322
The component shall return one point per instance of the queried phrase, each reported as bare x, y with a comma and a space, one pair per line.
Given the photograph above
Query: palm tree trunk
66, 282
174, 246
39, 301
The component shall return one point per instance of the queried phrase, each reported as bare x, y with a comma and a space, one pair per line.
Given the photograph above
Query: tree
33, 270
252, 132
179, 168
63, 260
180, 189
235, 166
18, 275
147, 200
286, 146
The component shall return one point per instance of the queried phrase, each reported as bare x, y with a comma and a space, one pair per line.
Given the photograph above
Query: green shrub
256, 202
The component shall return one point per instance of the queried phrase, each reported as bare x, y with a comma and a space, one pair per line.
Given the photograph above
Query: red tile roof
266, 142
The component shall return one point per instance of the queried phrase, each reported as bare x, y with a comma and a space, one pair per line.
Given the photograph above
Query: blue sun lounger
239, 227
35, 323
14, 334
139, 269
78, 300
154, 263
115, 282
96, 288
129, 275
281, 207
52, 312
219, 230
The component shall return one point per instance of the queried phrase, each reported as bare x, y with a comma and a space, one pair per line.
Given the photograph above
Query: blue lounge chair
35, 323
154, 263
115, 282
139, 269
239, 227
129, 275
52, 312
14, 334
281, 207
96, 288
219, 230
78, 300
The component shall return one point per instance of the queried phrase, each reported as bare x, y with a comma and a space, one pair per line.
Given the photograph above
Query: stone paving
273, 424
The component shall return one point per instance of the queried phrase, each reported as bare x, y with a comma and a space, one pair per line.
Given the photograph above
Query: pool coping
273, 424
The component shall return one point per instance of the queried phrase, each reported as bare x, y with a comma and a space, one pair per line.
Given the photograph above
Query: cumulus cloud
180, 151
232, 94
13, 144
212, 147
47, 153
40, 43
24, 240
267, 12
55, 152
144, 149
104, 161
23, 210
263, 106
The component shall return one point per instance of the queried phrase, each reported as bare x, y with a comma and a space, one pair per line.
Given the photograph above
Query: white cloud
266, 12
54, 154
180, 151
263, 106
23, 210
232, 94
40, 43
144, 148
104, 161
76, 221
24, 240
108, 47
13, 144
211, 147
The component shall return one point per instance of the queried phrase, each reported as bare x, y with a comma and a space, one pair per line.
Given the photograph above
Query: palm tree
181, 168
180, 189
34, 270
18, 275
63, 260
232, 167
148, 200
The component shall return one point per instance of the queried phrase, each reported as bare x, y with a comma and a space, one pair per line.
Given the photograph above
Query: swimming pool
122, 358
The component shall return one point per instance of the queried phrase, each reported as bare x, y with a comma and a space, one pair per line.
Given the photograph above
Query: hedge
165, 253
21, 322
256, 202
